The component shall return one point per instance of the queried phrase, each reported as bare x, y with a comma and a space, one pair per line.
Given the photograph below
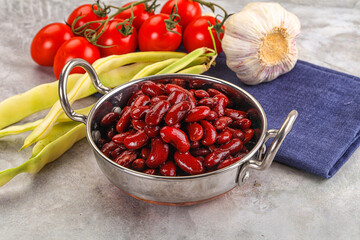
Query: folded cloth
327, 130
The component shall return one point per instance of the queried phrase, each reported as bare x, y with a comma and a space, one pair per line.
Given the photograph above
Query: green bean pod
62, 137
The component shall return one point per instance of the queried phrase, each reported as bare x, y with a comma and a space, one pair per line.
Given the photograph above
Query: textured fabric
327, 129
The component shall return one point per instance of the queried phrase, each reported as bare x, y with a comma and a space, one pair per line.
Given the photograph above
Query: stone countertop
71, 199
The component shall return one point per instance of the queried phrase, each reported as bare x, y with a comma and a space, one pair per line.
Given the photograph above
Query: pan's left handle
77, 62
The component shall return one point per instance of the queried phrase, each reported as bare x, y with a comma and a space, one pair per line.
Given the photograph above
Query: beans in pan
170, 130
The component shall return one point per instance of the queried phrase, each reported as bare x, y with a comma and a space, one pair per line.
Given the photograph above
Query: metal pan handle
77, 62
265, 158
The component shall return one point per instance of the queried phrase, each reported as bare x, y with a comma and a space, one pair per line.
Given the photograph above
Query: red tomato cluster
57, 43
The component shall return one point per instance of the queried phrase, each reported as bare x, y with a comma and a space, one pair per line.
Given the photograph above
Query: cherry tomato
197, 34
140, 13
88, 16
47, 41
76, 47
153, 35
187, 9
112, 37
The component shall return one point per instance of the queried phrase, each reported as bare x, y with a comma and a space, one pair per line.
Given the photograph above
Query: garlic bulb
260, 42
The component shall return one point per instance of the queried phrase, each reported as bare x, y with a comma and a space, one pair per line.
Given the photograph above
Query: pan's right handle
77, 62
265, 158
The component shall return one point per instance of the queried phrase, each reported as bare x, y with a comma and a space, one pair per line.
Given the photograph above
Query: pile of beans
170, 130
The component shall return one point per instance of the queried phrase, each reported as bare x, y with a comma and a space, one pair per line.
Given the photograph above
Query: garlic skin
260, 42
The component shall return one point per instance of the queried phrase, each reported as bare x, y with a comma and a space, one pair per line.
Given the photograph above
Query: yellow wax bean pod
101, 65
12, 130
17, 107
198, 69
62, 137
154, 68
45, 95
186, 60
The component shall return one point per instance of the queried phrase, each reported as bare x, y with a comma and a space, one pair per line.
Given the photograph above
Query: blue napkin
327, 130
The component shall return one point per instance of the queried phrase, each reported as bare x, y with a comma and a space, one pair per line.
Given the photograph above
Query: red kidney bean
224, 137
155, 114
236, 133
126, 158
210, 133
192, 91
200, 158
138, 164
161, 85
209, 102
197, 83
152, 131
124, 120
249, 133
176, 97
235, 114
222, 122
150, 171
194, 144
219, 108
158, 153
101, 142
175, 137
145, 152
110, 132
177, 112
228, 162
180, 82
169, 88
139, 112
243, 124
212, 147
119, 138
188, 163
177, 125
200, 152
116, 152
141, 100
134, 96
109, 119
157, 99
212, 116
151, 89
234, 146
200, 94
195, 131
197, 114
191, 99
137, 140
168, 169
212, 92
108, 148
138, 124
215, 158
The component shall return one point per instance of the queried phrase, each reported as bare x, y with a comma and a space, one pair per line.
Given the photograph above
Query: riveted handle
77, 62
